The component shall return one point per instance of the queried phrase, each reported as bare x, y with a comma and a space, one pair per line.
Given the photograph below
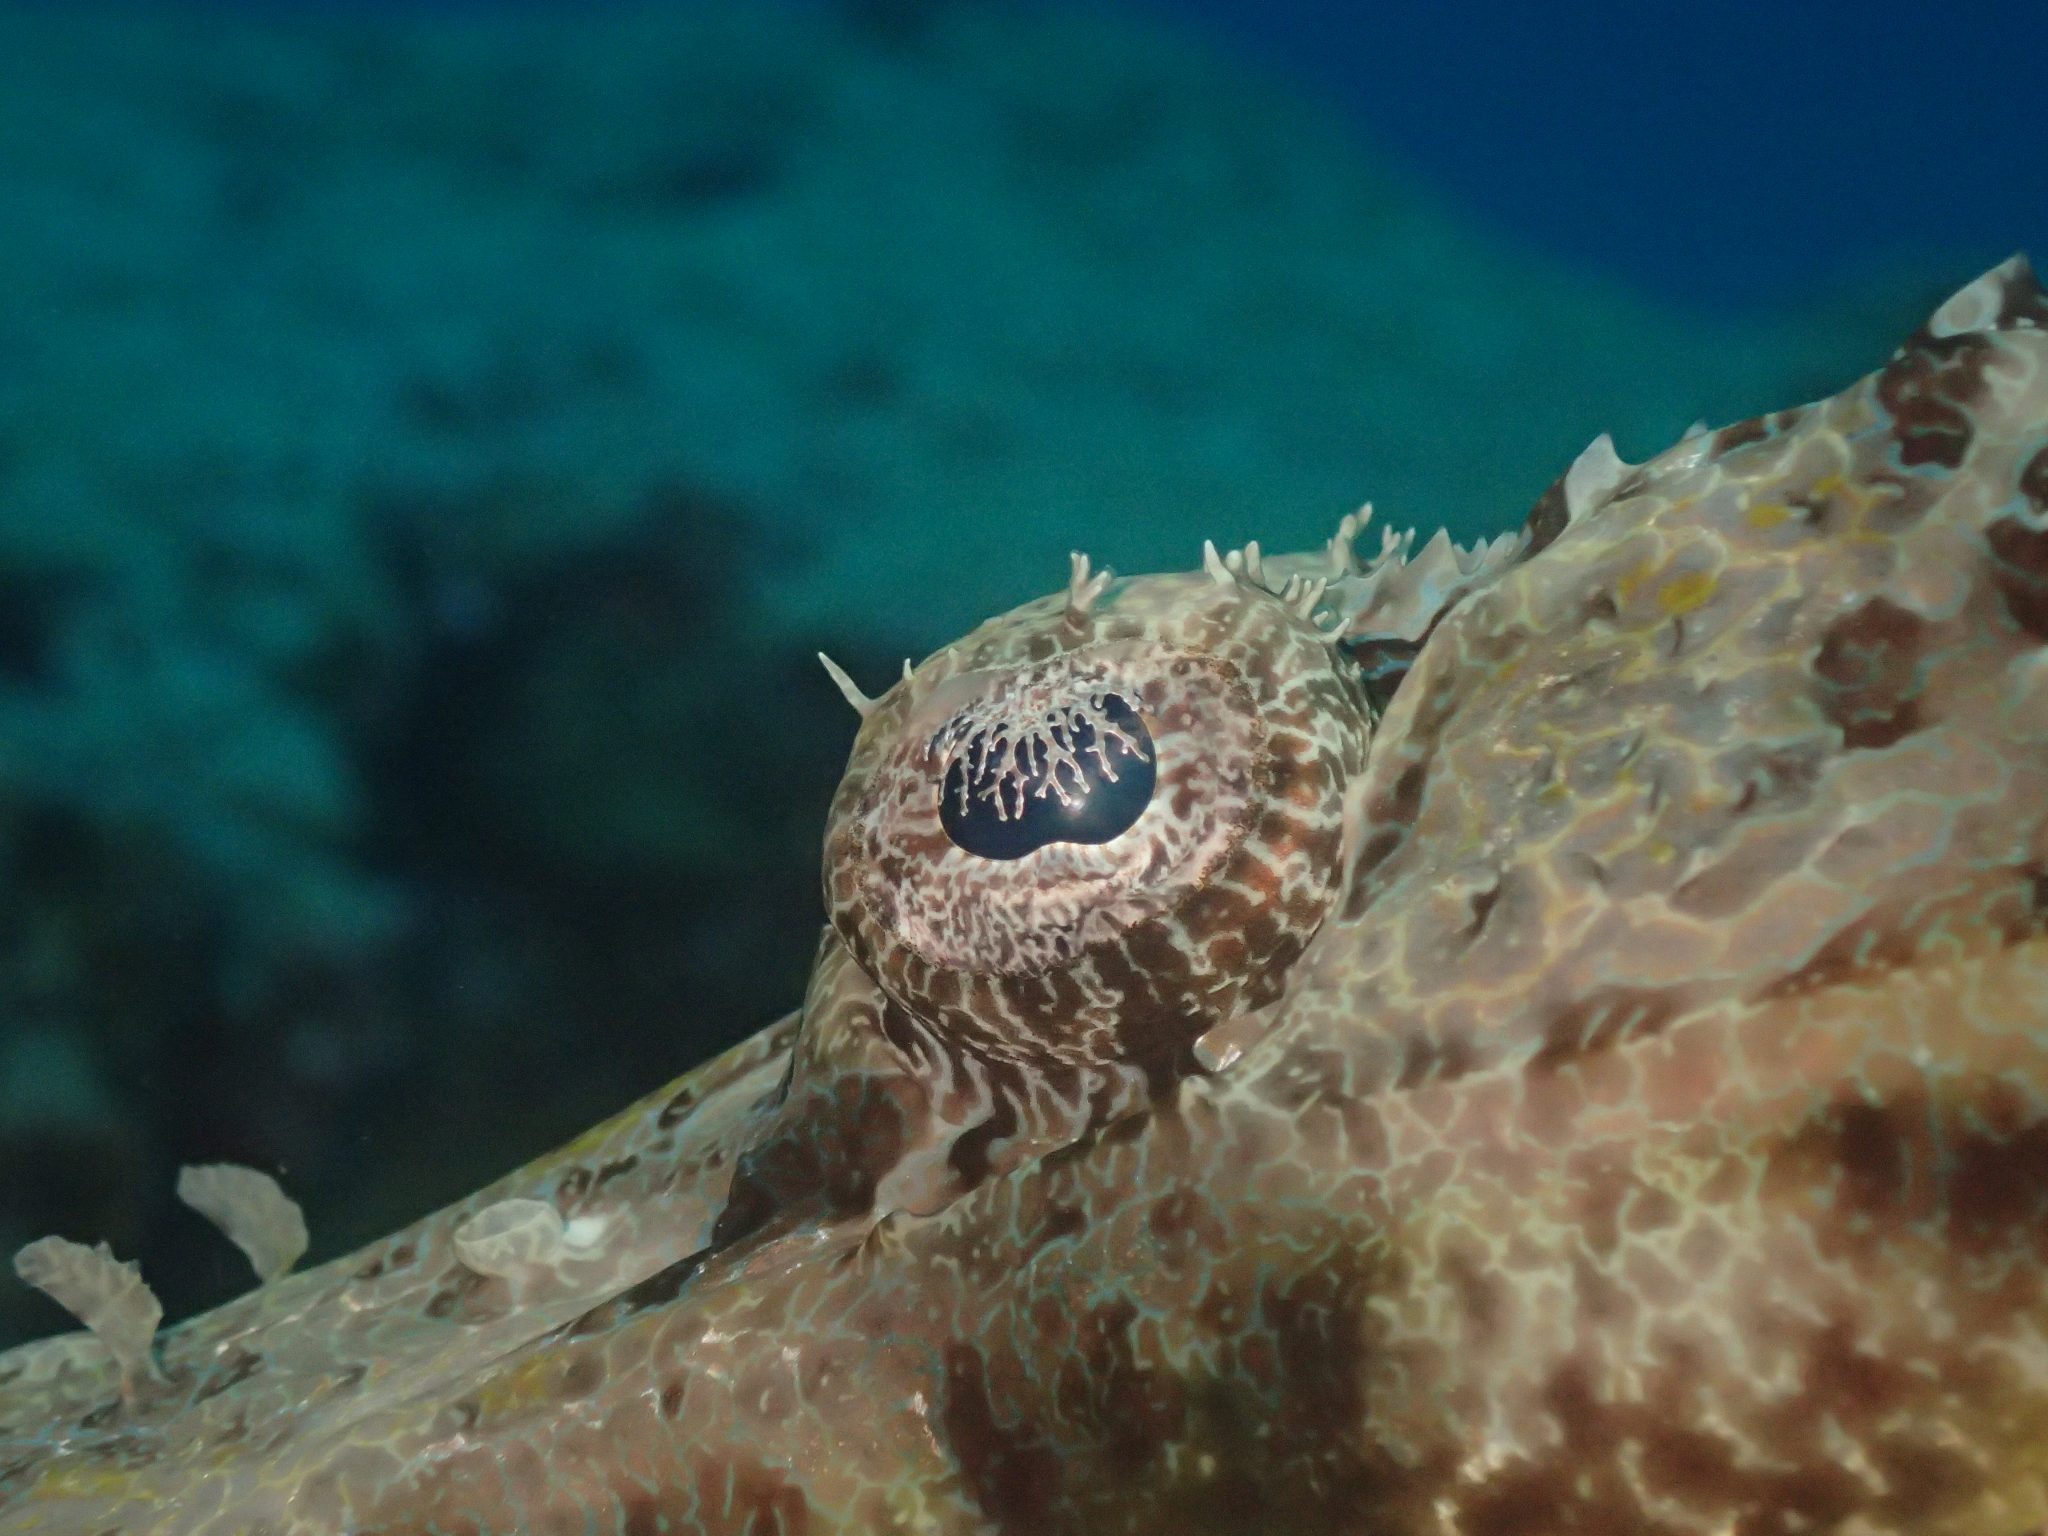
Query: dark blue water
1725, 156
1721, 154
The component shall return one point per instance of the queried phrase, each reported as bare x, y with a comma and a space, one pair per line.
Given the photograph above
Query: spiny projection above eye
1083, 772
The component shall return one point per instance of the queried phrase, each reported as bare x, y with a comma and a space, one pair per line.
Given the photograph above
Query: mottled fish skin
1607, 1091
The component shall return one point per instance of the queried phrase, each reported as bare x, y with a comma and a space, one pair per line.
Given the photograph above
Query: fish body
1550, 1037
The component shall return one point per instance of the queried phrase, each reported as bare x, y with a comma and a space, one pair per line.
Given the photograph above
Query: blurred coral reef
431, 448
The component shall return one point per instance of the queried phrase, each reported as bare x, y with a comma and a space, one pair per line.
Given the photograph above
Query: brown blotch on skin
1215, 908
1652, 1210
1481, 907
1426, 1060
2022, 305
2034, 482
2020, 571
1400, 807
1124, 1132
1226, 953
645, 1514
1740, 435
461, 1287
1999, 1190
872, 1132
898, 1029
1973, 1158
1276, 1430
1315, 1322
731, 1496
1131, 1407
1583, 1485
1602, 1017
749, 1206
1044, 1003
1393, 818
969, 1154
1781, 778
1478, 1289
572, 1187
828, 1148
678, 1107
1858, 951
657, 1290
1061, 1222
1869, 663
1547, 519
1860, 1159
584, 1375
1011, 1471
945, 990
1377, 848
1173, 1213
766, 1501
1930, 389
237, 1367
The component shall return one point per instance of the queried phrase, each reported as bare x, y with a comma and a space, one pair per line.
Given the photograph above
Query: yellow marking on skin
1682, 594
1860, 498
1767, 514
597, 1136
527, 1385
1626, 588
68, 1480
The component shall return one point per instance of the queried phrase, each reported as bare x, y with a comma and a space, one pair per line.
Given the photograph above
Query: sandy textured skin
1599, 1084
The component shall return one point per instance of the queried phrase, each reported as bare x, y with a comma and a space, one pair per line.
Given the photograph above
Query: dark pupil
1008, 792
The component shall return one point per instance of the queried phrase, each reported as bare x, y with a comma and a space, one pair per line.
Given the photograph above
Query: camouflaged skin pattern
1603, 1093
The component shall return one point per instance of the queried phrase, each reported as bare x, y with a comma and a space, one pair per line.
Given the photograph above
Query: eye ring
1190, 898
1082, 771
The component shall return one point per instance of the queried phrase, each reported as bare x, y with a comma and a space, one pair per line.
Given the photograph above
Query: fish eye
1064, 843
1081, 772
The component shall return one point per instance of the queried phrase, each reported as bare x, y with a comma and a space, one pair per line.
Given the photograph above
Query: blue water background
1720, 154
